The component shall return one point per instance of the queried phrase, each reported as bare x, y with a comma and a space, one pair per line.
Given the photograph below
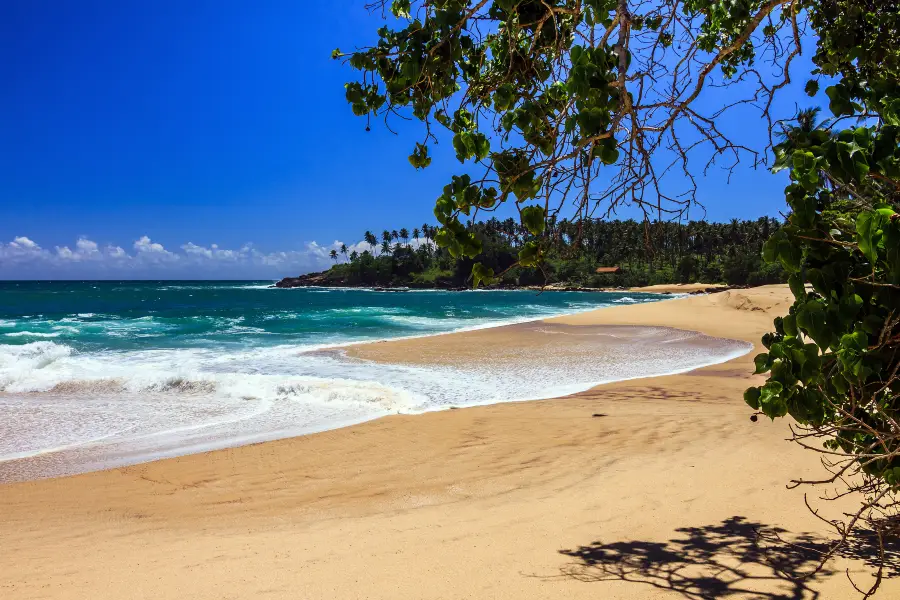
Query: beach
651, 488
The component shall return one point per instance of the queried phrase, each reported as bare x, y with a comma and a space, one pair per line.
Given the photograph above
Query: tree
565, 101
404, 235
416, 234
344, 249
595, 103
834, 360
371, 240
333, 255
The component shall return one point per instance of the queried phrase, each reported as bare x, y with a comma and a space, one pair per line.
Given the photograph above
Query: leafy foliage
833, 360
556, 101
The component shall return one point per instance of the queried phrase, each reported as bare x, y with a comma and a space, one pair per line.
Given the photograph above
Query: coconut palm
333, 255
344, 249
371, 240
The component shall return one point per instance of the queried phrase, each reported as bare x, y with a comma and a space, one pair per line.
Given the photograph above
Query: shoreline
69, 453
665, 288
530, 500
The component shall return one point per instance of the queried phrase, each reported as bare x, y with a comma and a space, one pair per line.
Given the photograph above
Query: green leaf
751, 397
789, 323
400, 8
868, 234
797, 287
790, 256
811, 319
770, 400
533, 219
856, 341
762, 363
840, 103
530, 255
482, 275
419, 158
482, 147
459, 144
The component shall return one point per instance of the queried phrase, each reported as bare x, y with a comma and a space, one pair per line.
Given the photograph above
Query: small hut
608, 270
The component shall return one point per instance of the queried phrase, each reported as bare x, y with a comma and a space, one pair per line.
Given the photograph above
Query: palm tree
371, 240
333, 255
404, 233
353, 256
385, 247
386, 236
416, 233
395, 235
344, 249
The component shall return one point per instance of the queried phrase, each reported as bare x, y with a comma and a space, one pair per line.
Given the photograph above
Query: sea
96, 374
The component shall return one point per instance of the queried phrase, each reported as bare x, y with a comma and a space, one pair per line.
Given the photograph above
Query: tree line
645, 253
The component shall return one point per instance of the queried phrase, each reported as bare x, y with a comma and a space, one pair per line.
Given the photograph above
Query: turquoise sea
106, 373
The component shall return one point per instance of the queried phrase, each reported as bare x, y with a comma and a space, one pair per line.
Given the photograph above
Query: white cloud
146, 245
86, 246
116, 252
24, 258
191, 248
65, 254
24, 242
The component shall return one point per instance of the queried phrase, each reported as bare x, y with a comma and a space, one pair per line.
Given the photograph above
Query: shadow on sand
737, 558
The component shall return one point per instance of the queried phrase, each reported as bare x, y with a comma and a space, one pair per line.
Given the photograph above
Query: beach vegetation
694, 252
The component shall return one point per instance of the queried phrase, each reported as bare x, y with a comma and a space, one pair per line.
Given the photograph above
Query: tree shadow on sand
865, 546
737, 558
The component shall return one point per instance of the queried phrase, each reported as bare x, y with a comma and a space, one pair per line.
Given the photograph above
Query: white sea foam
36, 334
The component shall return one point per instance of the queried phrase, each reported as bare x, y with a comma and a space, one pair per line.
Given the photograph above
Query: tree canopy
560, 105
691, 252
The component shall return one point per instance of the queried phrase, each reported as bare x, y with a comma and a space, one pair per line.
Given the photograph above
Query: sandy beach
651, 488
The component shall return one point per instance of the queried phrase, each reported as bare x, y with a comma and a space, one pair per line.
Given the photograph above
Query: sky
211, 139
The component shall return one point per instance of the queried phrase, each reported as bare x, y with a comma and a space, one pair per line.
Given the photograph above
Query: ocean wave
19, 363
37, 334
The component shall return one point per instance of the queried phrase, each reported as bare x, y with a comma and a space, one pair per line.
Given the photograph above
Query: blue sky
160, 129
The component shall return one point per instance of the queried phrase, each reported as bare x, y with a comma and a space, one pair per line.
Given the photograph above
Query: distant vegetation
645, 253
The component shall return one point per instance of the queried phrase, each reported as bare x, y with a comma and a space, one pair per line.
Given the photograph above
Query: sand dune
654, 488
